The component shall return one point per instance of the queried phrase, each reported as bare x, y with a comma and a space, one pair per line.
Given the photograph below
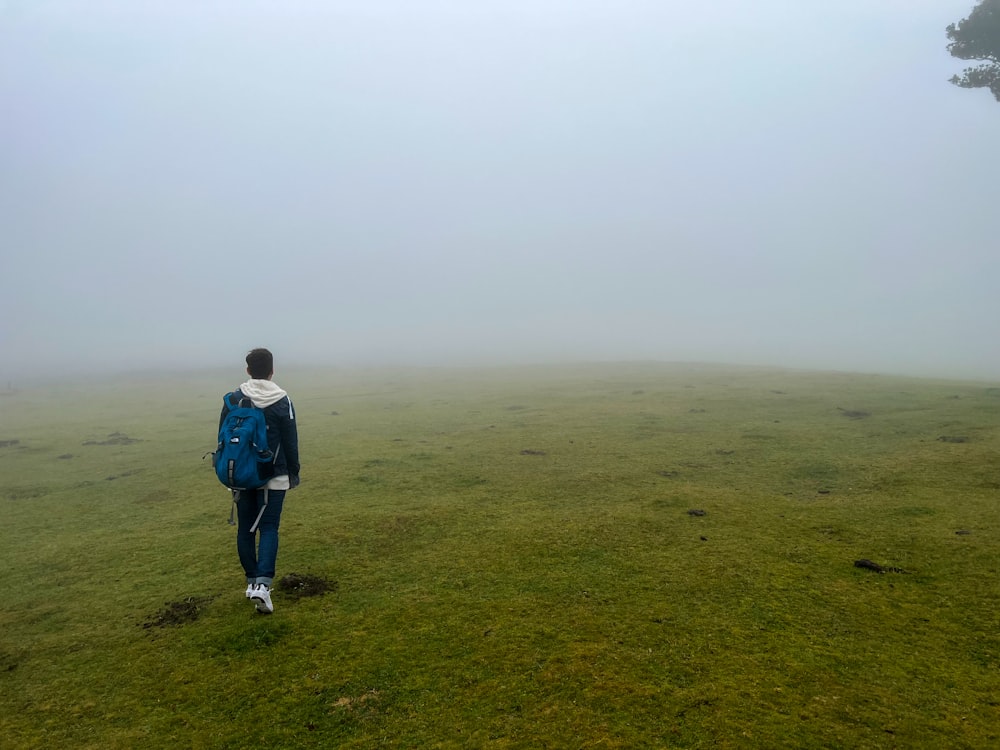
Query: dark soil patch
532, 452
23, 493
113, 477
874, 566
668, 473
696, 512
953, 439
8, 443
115, 438
9, 661
854, 413
65, 456
178, 613
299, 585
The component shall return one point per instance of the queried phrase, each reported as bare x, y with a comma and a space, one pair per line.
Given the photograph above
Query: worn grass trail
515, 564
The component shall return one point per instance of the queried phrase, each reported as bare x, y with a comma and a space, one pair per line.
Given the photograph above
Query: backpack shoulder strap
233, 401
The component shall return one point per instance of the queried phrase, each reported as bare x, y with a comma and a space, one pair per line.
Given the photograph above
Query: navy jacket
281, 431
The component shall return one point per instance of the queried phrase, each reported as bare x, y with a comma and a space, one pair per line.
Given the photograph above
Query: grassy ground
516, 564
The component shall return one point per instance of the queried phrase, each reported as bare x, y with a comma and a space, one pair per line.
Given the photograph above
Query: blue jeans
258, 560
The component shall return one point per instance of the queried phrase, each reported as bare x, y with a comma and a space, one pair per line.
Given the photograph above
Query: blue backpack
242, 445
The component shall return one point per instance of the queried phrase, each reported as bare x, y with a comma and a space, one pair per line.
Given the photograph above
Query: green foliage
515, 564
978, 38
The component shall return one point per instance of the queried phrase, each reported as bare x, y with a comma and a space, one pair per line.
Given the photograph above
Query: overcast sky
779, 182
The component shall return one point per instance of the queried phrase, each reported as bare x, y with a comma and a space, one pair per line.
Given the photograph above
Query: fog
773, 183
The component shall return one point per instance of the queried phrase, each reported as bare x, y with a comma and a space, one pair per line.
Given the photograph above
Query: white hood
262, 392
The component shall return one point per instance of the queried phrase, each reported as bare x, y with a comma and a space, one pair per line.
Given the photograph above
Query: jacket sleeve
290, 444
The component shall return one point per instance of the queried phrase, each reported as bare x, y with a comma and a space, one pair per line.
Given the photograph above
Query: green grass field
513, 563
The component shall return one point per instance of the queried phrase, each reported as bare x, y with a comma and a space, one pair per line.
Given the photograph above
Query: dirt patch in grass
178, 613
953, 439
113, 477
348, 702
299, 585
8, 443
115, 438
874, 566
9, 661
854, 413
24, 493
532, 452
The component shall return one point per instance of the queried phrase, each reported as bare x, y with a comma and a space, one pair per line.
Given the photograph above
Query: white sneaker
261, 594
249, 590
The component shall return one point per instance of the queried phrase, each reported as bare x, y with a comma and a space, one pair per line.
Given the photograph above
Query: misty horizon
372, 184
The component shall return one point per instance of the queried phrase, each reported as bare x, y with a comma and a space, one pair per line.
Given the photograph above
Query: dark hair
260, 364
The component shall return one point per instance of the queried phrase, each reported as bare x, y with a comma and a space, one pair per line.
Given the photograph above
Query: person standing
259, 511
